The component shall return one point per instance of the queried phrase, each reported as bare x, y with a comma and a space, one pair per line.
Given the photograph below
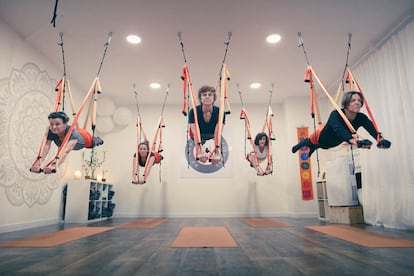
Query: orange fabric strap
187, 82
93, 91
184, 77
157, 135
61, 87
346, 121
223, 96
352, 81
42, 146
138, 139
314, 101
269, 127
243, 116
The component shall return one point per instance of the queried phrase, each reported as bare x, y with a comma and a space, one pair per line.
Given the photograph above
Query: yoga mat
56, 238
361, 236
204, 237
142, 223
264, 222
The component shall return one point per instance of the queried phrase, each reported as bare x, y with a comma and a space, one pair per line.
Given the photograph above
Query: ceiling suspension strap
53, 21
61, 88
62, 83
139, 123
352, 81
152, 149
269, 123
135, 175
348, 78
94, 90
223, 93
224, 77
344, 79
38, 160
90, 94
227, 108
106, 45
309, 78
336, 106
243, 117
156, 145
140, 131
184, 77
189, 85
161, 125
310, 74
268, 128
247, 129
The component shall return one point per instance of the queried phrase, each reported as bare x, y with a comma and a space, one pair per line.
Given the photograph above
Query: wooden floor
261, 251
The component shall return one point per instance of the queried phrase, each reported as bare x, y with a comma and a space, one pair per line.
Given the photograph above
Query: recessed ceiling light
155, 85
133, 39
273, 38
255, 85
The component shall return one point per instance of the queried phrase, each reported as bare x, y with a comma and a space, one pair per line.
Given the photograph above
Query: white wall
25, 200
27, 81
239, 193
29, 200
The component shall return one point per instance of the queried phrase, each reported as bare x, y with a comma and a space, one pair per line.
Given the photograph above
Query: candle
77, 175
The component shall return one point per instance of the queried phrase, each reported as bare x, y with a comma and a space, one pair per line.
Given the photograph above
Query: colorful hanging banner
305, 166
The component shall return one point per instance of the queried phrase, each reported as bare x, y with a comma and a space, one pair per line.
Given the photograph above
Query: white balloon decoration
106, 107
122, 116
104, 124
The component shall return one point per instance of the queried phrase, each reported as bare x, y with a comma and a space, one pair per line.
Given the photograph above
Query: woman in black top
336, 131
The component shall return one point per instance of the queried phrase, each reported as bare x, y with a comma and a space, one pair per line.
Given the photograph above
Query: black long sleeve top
336, 131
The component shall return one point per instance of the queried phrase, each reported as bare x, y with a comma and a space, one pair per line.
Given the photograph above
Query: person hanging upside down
143, 154
207, 117
336, 132
79, 139
260, 154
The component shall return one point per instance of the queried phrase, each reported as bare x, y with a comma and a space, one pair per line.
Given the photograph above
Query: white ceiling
204, 25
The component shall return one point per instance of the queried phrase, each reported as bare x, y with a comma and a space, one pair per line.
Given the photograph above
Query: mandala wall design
26, 98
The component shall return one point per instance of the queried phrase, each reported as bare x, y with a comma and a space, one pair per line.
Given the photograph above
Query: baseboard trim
27, 225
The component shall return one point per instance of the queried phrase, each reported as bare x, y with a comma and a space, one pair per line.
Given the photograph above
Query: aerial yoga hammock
90, 141
147, 155
200, 153
342, 123
261, 145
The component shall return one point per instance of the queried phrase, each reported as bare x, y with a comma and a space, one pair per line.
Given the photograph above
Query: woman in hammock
58, 128
336, 132
207, 117
143, 154
260, 154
